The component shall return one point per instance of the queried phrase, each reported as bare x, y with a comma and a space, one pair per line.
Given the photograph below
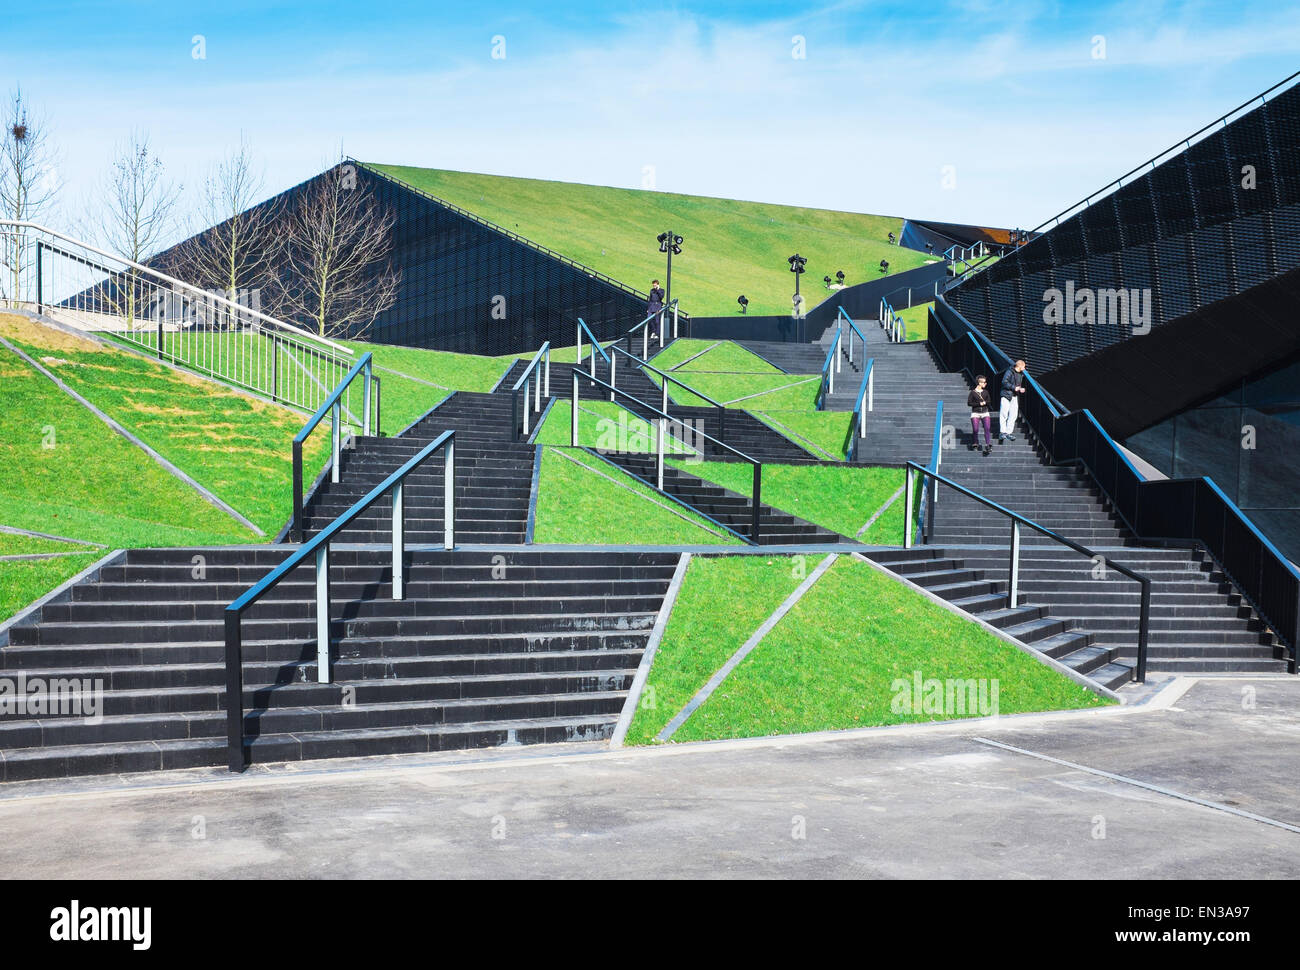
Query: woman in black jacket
978, 401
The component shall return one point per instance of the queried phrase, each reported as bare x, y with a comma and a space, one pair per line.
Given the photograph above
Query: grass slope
578, 505
24, 582
722, 601
237, 447
836, 659
731, 247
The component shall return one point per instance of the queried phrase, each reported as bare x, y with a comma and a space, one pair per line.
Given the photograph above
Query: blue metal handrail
859, 423
331, 405
667, 378
664, 416
861, 336
828, 372
319, 548
1144, 617
643, 326
541, 386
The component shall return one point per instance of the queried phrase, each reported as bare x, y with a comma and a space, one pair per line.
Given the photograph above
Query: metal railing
1148, 166
644, 327
844, 318
86, 287
895, 327
662, 419
1188, 511
596, 347
319, 548
929, 497
537, 379
865, 402
827, 386
333, 406
667, 379
1013, 559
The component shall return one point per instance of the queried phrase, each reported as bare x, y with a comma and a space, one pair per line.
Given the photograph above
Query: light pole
797, 263
670, 244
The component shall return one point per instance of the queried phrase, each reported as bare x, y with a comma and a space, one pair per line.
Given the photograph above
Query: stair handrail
1017, 520
895, 327
333, 406
827, 386
643, 326
1154, 161
662, 420
867, 395
854, 330
668, 379
929, 499
318, 548
581, 329
1175, 508
537, 378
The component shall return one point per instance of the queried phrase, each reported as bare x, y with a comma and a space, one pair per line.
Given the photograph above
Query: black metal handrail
1173, 150
540, 376
1188, 511
331, 405
1144, 617
663, 416
319, 548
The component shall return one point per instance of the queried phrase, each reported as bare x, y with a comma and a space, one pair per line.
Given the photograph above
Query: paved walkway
913, 802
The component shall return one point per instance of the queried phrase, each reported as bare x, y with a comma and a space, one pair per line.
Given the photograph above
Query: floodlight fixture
743, 301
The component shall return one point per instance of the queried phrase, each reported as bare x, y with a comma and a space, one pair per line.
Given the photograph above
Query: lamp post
797, 263
669, 243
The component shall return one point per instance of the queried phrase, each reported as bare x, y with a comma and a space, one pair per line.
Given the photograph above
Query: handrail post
871, 386
297, 491
674, 321
399, 541
839, 348
907, 507
578, 360
527, 403
659, 471
758, 501
573, 432
323, 614
1144, 626
645, 342
449, 496
536, 380
334, 442
1013, 596
234, 693
548, 370
365, 421
613, 375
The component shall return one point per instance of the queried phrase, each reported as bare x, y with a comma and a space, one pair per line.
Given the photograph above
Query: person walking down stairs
1013, 385
654, 308
978, 402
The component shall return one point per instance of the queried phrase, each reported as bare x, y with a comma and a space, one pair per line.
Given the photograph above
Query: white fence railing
81, 285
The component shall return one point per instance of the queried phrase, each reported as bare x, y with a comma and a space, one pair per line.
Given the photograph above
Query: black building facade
1170, 308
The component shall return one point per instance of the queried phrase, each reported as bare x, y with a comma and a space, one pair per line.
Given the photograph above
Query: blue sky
708, 96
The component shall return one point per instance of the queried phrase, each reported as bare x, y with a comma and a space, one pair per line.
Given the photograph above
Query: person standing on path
978, 402
1013, 385
654, 308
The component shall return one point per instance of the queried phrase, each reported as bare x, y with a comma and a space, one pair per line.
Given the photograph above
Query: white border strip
648, 657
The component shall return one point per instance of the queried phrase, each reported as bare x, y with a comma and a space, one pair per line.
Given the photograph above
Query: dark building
1169, 305
468, 285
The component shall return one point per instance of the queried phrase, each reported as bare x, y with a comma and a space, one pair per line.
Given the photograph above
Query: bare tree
336, 257
138, 205
28, 175
233, 246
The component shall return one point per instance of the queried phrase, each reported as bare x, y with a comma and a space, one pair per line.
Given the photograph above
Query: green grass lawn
822, 432
22, 583
839, 498
68, 474
690, 355
12, 544
237, 447
578, 505
731, 247
722, 601
917, 320
848, 654
771, 392
606, 427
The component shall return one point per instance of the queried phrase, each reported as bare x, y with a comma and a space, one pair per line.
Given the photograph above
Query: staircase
493, 478
488, 648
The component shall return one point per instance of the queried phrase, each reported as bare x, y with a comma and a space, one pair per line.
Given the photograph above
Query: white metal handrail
81, 284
